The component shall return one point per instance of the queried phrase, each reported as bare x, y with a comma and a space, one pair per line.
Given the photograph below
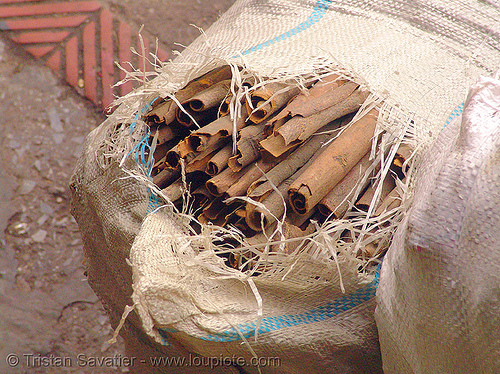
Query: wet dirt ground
50, 319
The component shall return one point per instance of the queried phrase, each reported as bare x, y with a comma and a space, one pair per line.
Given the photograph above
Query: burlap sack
313, 310
438, 301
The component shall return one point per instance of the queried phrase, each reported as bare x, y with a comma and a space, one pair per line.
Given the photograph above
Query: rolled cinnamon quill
316, 99
201, 196
174, 191
298, 129
210, 97
248, 176
212, 134
259, 218
292, 163
191, 119
265, 101
165, 177
166, 111
199, 163
224, 106
219, 161
403, 153
165, 133
234, 183
247, 146
391, 201
365, 200
333, 164
336, 202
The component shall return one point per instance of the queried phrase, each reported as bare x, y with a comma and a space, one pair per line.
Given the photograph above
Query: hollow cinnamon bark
175, 190
336, 202
249, 175
224, 106
166, 111
165, 133
298, 129
212, 134
258, 107
210, 97
333, 164
365, 200
236, 183
219, 161
191, 120
247, 146
199, 163
275, 202
403, 153
316, 99
391, 201
201, 196
293, 162
165, 177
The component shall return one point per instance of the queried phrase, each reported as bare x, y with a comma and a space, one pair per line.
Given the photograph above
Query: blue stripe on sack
320, 9
268, 324
456, 113
139, 152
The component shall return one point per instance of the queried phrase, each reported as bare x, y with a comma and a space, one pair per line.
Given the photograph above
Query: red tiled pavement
44, 23
39, 51
54, 61
49, 8
90, 62
15, 1
72, 61
107, 64
76, 40
124, 54
32, 37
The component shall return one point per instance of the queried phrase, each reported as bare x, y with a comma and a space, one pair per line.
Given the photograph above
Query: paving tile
57, 32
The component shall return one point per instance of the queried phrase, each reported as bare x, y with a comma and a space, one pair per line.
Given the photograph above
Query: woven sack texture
438, 301
418, 57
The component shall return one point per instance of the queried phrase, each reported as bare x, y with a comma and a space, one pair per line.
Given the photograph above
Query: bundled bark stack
294, 156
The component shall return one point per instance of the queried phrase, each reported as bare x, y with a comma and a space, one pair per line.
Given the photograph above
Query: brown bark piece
333, 164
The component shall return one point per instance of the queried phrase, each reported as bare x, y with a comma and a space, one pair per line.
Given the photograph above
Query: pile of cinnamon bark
297, 154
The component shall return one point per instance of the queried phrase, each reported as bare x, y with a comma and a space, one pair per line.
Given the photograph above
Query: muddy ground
47, 310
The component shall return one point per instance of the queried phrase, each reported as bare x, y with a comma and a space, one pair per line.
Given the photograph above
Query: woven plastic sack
315, 309
438, 302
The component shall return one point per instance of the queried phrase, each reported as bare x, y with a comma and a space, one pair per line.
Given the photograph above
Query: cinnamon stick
336, 202
391, 201
365, 200
199, 163
165, 112
399, 164
248, 147
236, 183
258, 218
165, 177
194, 119
212, 134
224, 106
201, 196
216, 208
333, 164
175, 190
165, 133
292, 163
265, 101
219, 161
316, 99
210, 97
298, 129
248, 176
